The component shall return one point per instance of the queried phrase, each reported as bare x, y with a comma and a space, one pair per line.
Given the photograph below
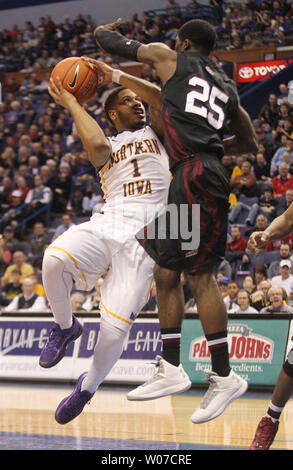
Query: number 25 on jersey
206, 95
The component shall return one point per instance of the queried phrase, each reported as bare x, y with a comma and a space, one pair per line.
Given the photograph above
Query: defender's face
129, 112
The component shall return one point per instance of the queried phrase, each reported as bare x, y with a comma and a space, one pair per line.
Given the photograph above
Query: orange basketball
77, 77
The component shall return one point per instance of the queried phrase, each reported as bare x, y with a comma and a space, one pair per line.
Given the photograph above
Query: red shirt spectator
236, 242
246, 183
273, 246
282, 181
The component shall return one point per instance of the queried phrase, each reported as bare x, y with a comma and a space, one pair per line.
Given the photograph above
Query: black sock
218, 346
171, 345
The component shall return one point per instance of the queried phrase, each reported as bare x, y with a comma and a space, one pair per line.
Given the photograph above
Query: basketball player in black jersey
199, 103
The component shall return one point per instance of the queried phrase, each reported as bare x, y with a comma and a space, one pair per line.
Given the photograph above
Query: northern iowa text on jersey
134, 148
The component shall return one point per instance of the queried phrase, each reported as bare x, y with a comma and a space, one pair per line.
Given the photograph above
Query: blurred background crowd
47, 183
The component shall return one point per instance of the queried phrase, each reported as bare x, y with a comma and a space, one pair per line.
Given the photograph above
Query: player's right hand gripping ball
77, 77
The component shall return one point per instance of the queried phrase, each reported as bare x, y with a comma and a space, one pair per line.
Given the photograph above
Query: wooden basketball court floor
111, 422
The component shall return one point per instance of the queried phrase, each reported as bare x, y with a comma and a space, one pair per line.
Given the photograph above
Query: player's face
129, 111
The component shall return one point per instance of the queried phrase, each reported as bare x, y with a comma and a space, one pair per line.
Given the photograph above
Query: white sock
58, 285
107, 352
274, 412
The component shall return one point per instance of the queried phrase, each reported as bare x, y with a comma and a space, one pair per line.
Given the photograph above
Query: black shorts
201, 180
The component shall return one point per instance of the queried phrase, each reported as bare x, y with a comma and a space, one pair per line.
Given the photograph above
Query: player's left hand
256, 241
59, 94
111, 26
102, 70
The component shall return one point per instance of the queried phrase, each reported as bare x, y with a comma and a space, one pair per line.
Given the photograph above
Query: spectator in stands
92, 302
11, 243
285, 127
264, 287
92, 202
18, 262
249, 284
282, 181
77, 300
285, 202
14, 214
21, 184
223, 282
261, 224
67, 222
228, 163
230, 300
285, 112
285, 279
4, 301
12, 289
274, 267
267, 206
261, 168
275, 296
39, 196
5, 255
257, 300
236, 243
288, 160
38, 286
286, 146
62, 189
243, 301
39, 241
28, 301
244, 184
47, 175
259, 274
272, 107
5, 190
224, 268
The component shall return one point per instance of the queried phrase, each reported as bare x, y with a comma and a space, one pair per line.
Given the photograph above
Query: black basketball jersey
197, 104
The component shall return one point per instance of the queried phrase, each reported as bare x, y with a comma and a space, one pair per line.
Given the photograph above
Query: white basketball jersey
137, 171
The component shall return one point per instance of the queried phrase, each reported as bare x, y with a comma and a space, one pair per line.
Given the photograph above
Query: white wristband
116, 74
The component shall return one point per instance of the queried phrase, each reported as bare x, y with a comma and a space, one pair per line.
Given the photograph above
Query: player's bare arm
159, 55
243, 138
278, 229
146, 90
92, 136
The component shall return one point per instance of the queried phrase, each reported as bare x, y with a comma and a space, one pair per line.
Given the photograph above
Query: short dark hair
110, 100
200, 33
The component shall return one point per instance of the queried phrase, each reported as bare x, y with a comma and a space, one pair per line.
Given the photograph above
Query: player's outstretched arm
243, 138
159, 55
92, 136
278, 229
146, 90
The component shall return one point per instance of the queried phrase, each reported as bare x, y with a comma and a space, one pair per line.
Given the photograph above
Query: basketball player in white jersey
134, 172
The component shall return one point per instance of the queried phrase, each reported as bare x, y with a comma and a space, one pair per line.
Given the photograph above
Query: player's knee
116, 330
201, 282
288, 365
166, 278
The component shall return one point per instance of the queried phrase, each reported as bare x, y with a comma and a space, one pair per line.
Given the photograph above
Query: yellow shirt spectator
25, 269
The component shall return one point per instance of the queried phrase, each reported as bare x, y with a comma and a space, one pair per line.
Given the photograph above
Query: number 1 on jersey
136, 171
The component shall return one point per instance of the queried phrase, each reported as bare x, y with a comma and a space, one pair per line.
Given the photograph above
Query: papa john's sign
252, 71
256, 348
